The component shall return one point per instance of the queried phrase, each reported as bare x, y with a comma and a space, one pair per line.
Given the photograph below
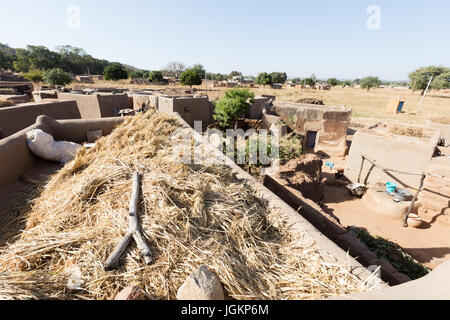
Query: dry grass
410, 132
191, 215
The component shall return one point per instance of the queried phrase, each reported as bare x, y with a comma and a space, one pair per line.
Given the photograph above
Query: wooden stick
411, 206
133, 231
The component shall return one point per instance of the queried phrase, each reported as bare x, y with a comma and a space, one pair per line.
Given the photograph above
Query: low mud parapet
15, 157
331, 228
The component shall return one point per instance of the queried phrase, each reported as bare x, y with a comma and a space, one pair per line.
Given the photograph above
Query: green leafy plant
233, 105
34, 75
392, 252
291, 147
57, 76
114, 72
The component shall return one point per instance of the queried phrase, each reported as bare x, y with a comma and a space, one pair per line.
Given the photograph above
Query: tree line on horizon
38, 63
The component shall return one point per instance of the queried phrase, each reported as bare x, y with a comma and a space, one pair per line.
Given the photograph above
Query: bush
290, 148
156, 76
34, 75
115, 72
57, 76
234, 104
191, 78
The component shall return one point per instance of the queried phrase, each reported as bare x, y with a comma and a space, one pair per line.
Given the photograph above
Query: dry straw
191, 215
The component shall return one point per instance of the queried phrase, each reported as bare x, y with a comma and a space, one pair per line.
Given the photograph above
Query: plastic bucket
390, 187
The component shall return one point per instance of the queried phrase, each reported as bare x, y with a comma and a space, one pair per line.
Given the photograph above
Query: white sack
44, 146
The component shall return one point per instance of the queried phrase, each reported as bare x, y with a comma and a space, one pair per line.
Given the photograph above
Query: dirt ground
429, 245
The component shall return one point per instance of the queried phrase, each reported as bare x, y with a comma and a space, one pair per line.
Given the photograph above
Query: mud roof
286, 104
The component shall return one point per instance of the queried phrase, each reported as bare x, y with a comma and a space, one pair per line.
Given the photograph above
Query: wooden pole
425, 93
406, 215
133, 231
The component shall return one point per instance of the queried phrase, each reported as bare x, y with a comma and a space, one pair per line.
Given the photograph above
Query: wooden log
133, 231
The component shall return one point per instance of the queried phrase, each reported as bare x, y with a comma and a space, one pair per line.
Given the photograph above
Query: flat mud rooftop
190, 215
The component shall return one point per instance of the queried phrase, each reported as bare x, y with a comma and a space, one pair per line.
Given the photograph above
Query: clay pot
414, 221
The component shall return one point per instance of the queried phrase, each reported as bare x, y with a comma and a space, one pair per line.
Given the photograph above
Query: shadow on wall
14, 119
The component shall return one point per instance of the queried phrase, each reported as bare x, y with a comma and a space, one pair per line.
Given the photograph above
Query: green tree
7, 56
137, 74
115, 72
278, 77
190, 78
370, 82
23, 60
34, 75
421, 77
234, 74
442, 81
57, 76
233, 105
156, 76
332, 82
309, 82
264, 79
200, 70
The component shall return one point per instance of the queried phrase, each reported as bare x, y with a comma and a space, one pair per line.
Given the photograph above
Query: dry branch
133, 231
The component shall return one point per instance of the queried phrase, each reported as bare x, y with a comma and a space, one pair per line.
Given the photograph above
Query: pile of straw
191, 215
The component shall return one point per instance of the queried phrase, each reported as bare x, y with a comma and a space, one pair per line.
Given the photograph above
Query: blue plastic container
390, 187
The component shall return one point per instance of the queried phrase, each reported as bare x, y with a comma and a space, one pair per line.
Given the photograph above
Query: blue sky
328, 38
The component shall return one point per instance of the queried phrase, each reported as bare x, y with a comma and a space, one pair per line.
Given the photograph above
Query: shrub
234, 104
34, 75
290, 148
115, 72
57, 76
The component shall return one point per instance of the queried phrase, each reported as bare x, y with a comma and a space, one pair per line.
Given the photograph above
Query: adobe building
256, 110
97, 105
146, 98
442, 124
16, 118
190, 108
324, 128
409, 152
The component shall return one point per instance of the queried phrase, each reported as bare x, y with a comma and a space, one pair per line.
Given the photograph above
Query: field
368, 107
